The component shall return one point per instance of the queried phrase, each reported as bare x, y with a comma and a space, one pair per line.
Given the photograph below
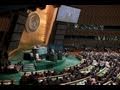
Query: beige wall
51, 16
31, 38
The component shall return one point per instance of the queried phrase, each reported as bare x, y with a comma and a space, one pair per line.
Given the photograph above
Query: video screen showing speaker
68, 14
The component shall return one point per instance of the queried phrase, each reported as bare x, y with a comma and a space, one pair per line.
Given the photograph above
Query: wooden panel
102, 14
19, 28
16, 36
14, 44
4, 23
21, 19
60, 31
1, 35
58, 42
93, 33
17, 32
92, 43
59, 37
61, 27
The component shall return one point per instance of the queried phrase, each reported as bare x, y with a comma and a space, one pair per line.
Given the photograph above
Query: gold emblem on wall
33, 22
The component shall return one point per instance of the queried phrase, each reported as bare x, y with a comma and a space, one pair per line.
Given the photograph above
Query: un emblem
33, 22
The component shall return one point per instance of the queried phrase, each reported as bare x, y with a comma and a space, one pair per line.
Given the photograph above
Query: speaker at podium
59, 56
27, 56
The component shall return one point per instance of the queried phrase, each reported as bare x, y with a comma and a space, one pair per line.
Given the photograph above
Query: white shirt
95, 63
107, 64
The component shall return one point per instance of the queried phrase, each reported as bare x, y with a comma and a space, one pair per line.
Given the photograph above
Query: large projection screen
68, 14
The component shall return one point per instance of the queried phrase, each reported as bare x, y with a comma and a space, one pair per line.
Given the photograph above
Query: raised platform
58, 66
46, 64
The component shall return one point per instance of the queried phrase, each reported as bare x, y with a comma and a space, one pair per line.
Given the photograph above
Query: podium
27, 56
59, 56
52, 57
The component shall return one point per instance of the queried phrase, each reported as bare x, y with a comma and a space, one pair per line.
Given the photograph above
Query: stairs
28, 67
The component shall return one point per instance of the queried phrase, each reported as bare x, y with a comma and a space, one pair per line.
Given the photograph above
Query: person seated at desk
52, 51
95, 63
34, 54
107, 64
12, 82
101, 64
